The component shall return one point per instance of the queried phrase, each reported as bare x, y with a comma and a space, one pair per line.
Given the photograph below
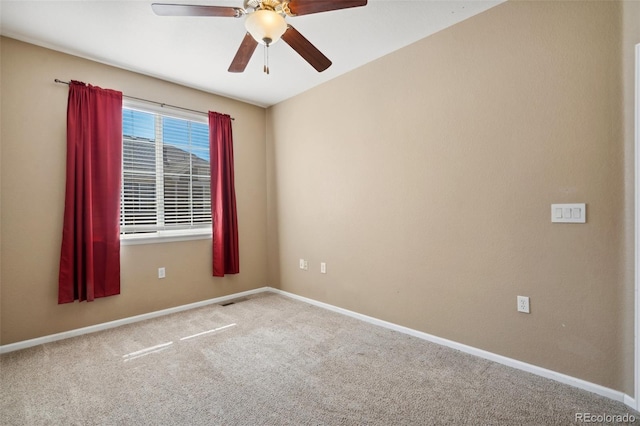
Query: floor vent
233, 302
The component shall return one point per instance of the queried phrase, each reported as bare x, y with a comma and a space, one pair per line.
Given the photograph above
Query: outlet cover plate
523, 304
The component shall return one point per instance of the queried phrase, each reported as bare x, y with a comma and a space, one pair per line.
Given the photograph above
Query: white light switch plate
569, 213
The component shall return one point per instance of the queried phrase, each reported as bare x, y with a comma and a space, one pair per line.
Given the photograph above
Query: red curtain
226, 259
90, 255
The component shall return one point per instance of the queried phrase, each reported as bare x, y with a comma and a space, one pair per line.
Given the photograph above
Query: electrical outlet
323, 268
161, 272
523, 304
304, 264
301, 263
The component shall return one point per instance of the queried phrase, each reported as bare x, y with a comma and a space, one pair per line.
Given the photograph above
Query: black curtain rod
147, 100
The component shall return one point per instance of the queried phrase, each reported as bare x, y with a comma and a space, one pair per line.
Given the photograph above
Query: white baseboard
530, 368
111, 324
631, 402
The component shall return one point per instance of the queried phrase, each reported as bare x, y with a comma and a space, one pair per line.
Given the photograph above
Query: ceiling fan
265, 24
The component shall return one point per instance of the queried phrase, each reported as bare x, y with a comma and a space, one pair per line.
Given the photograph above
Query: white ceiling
196, 51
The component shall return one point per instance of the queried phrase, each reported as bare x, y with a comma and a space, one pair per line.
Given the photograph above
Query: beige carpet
284, 362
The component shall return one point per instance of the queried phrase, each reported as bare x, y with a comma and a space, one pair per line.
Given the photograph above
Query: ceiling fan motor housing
278, 6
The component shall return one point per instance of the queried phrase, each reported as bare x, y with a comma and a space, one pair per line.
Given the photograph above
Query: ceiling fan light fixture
265, 26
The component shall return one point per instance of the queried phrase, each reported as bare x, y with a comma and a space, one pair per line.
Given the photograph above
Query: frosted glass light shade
266, 26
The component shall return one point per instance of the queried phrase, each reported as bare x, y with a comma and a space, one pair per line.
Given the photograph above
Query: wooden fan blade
305, 49
163, 9
306, 7
244, 53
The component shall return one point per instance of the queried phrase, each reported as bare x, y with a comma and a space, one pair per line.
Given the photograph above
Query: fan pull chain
266, 59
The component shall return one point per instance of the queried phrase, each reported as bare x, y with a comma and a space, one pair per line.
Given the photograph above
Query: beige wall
425, 180
32, 197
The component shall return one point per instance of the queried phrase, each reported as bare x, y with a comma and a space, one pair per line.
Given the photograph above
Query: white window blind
165, 174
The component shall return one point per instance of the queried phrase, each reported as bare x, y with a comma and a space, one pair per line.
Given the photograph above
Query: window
165, 175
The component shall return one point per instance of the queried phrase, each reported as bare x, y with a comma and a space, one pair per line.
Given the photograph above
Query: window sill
165, 237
